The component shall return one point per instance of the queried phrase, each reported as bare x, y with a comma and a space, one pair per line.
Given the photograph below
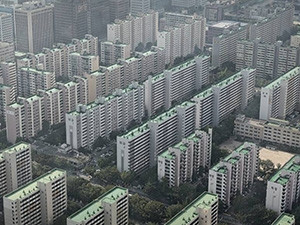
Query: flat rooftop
16, 148
137, 131
32, 186
95, 207
287, 76
284, 219
189, 213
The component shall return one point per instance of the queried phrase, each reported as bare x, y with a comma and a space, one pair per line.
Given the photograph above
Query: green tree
140, 47
172, 210
154, 211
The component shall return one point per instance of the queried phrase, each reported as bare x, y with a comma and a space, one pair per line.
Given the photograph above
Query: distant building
203, 210
282, 187
34, 27
47, 196
139, 6
7, 52
214, 12
15, 167
112, 52
119, 9
235, 173
6, 27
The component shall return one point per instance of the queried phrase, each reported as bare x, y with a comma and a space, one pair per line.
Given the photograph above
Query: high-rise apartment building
100, 118
283, 187
285, 219
214, 12
281, 97
31, 80
24, 118
119, 9
295, 40
15, 167
112, 52
109, 209
34, 27
7, 52
47, 196
235, 173
270, 60
181, 40
273, 130
81, 64
134, 30
203, 210
180, 82
184, 4
8, 73
6, 27
178, 164
70, 20
139, 7
7, 97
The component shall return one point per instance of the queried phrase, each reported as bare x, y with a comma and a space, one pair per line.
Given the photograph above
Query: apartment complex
176, 84
47, 196
235, 173
57, 59
270, 60
105, 115
138, 149
112, 52
15, 164
203, 210
283, 188
7, 52
109, 209
6, 27
274, 130
134, 30
281, 97
178, 164
216, 103
180, 40
31, 80
34, 27
224, 46
285, 219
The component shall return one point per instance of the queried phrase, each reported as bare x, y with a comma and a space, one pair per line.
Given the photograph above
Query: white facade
112, 52
283, 188
7, 52
6, 27
235, 173
15, 167
47, 196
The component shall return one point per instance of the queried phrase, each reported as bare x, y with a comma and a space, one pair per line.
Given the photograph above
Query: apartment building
134, 30
7, 52
184, 4
112, 52
34, 27
216, 103
203, 210
178, 164
176, 84
214, 12
173, 19
139, 6
98, 119
180, 40
270, 60
40, 201
57, 59
281, 97
285, 219
283, 187
119, 9
111, 208
295, 40
6, 98
224, 46
274, 130
15, 164
6, 27
81, 64
8, 72
235, 173
31, 80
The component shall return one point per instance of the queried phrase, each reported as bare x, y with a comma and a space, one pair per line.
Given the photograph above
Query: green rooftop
137, 131
287, 76
293, 166
16, 148
284, 219
95, 207
165, 116
32, 186
189, 213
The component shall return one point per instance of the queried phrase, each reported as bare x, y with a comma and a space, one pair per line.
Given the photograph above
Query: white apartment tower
283, 188
180, 162
7, 52
6, 98
47, 196
203, 210
281, 97
235, 173
15, 164
34, 27
111, 208
112, 52
6, 27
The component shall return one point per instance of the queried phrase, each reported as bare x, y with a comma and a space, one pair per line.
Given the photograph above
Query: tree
100, 142
148, 46
140, 47
172, 210
154, 211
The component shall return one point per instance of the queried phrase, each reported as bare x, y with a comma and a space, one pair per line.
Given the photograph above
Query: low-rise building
285, 219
